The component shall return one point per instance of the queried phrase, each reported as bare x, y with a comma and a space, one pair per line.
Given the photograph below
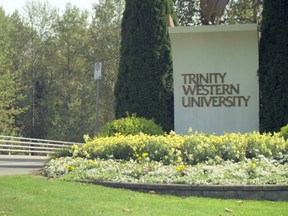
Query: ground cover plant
256, 171
28, 195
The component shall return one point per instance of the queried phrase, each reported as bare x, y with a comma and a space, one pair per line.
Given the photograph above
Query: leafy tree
105, 46
144, 84
70, 79
36, 30
273, 72
52, 59
53, 56
10, 88
187, 12
243, 11
237, 11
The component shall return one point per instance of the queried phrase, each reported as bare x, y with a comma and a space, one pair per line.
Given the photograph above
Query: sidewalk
19, 164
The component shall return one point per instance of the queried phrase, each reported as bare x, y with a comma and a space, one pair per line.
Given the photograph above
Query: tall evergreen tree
273, 72
144, 84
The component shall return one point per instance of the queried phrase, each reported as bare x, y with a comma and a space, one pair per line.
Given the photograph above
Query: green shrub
192, 149
284, 132
65, 152
265, 144
131, 125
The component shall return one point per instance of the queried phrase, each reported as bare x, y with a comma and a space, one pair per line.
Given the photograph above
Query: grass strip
36, 195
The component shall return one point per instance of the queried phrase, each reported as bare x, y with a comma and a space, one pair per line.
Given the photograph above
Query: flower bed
197, 159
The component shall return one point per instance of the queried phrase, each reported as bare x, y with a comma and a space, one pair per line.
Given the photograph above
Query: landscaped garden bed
194, 160
197, 159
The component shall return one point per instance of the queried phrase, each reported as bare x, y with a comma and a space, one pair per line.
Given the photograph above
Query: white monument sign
215, 78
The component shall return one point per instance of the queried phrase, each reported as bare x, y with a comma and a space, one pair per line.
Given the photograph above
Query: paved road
16, 165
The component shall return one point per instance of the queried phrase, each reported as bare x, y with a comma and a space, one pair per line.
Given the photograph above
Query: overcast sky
11, 5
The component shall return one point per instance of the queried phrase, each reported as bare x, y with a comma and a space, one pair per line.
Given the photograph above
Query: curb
247, 192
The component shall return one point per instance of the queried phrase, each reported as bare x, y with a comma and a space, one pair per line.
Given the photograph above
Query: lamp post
97, 77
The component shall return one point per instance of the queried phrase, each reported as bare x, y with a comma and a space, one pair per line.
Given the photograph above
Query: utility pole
97, 77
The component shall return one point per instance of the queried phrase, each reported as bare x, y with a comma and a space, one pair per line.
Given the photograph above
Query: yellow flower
145, 154
91, 162
118, 134
180, 167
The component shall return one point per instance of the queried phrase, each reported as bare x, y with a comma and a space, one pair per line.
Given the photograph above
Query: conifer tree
144, 84
273, 72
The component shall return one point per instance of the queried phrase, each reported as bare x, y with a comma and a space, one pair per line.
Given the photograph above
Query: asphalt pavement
18, 165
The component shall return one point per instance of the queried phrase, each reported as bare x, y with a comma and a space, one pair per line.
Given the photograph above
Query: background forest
47, 60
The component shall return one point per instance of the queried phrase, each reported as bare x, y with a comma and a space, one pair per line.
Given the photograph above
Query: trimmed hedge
192, 149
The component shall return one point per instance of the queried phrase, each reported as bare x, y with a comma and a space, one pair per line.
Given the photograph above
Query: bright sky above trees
10, 6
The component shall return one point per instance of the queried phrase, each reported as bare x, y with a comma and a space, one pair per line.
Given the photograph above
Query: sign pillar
216, 87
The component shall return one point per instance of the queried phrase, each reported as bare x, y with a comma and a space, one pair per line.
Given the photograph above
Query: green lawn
35, 195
